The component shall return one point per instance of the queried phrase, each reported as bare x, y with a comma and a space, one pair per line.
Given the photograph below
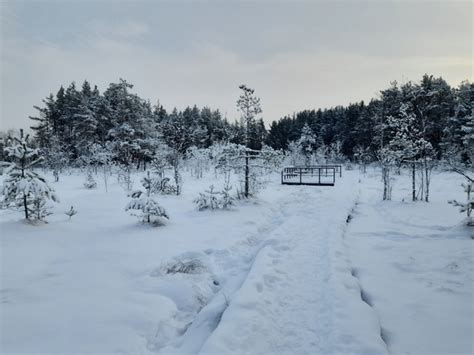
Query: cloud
125, 30
202, 60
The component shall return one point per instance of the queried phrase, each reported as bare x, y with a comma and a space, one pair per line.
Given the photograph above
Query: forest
75, 119
416, 125
232, 242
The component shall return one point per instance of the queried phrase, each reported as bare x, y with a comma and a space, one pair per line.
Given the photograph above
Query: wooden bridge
317, 175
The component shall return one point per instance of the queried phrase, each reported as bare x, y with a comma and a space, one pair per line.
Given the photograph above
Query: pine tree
23, 188
362, 156
55, 156
454, 143
47, 122
467, 206
90, 182
71, 212
306, 143
85, 120
409, 145
144, 206
249, 107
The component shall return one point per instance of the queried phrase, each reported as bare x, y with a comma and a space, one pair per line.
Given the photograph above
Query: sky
296, 54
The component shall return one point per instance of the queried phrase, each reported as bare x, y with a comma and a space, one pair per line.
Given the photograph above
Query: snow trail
297, 298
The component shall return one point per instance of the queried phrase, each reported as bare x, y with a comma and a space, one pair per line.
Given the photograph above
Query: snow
291, 300
415, 264
284, 273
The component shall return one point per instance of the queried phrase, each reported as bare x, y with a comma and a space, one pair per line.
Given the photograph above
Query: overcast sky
296, 55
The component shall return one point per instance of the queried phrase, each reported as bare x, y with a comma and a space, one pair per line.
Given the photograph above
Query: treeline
76, 119
440, 112
131, 126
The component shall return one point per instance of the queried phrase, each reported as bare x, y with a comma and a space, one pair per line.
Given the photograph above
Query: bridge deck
321, 175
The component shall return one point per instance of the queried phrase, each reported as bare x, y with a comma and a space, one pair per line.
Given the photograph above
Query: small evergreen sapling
208, 199
23, 188
227, 200
90, 182
71, 212
165, 188
467, 206
213, 200
144, 206
160, 185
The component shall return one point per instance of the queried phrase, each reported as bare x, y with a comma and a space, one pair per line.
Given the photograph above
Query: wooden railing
319, 175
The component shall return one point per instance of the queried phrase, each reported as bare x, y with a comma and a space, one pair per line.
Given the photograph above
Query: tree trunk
177, 178
468, 210
23, 163
427, 181
386, 183
422, 185
25, 205
413, 181
246, 193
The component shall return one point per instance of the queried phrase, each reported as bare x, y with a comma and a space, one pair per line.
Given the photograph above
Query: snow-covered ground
286, 273
414, 262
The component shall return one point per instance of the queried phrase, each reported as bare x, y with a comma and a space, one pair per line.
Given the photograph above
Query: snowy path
299, 295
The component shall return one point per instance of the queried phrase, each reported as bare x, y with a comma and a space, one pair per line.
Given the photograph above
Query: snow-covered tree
101, 156
227, 200
55, 156
85, 118
270, 159
468, 137
306, 143
362, 156
410, 147
251, 164
90, 182
159, 159
387, 159
456, 144
144, 206
468, 205
23, 188
209, 199
334, 153
249, 107
175, 159
199, 159
124, 176
213, 200
293, 154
